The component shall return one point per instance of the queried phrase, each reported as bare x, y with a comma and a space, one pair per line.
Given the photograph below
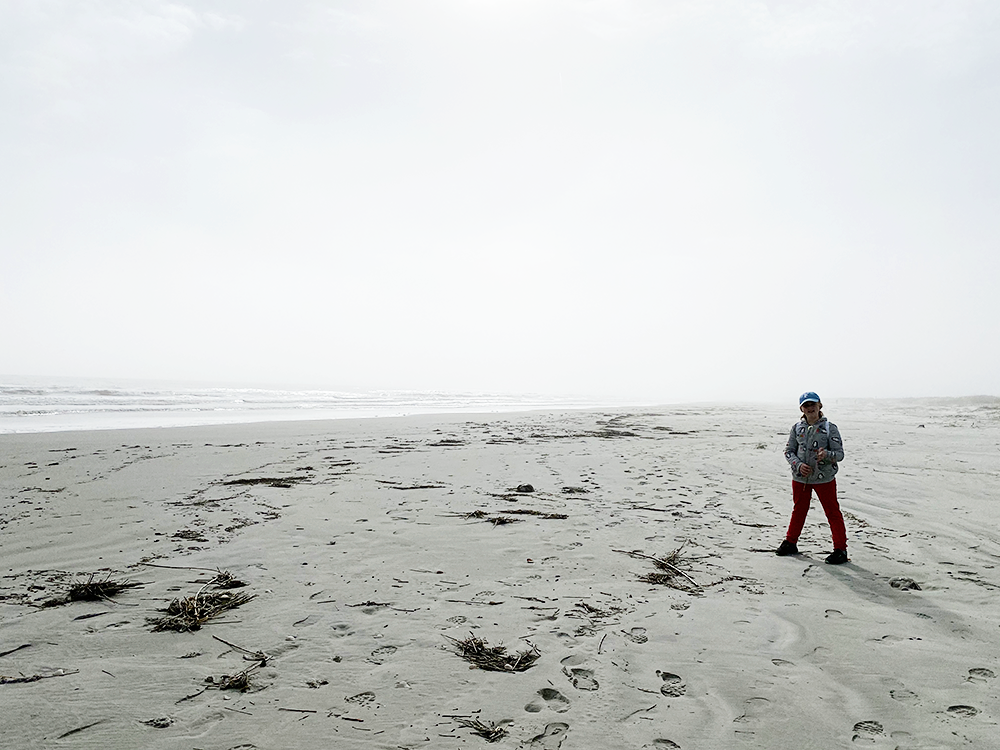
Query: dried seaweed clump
487, 730
503, 520
4, 680
500, 520
670, 572
611, 433
583, 609
92, 590
495, 658
283, 483
191, 612
484, 516
540, 514
226, 580
239, 681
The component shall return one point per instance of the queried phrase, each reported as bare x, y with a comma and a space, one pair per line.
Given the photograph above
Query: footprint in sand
637, 635
362, 699
820, 654
673, 686
782, 663
981, 674
380, 654
551, 738
963, 711
866, 731
341, 629
905, 696
661, 744
890, 639
552, 699
582, 679
755, 708
833, 613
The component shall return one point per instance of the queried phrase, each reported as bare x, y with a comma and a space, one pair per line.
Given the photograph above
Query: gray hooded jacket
805, 440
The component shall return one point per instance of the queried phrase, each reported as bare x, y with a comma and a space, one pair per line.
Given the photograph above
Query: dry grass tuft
191, 612
495, 658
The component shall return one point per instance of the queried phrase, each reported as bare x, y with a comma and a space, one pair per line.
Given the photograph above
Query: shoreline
966, 407
140, 420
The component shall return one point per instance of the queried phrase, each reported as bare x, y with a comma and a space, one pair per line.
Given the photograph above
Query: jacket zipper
810, 434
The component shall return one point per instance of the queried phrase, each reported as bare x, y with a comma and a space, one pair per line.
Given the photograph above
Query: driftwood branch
660, 562
80, 729
258, 655
35, 677
18, 648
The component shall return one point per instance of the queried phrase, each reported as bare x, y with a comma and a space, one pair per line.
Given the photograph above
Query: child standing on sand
814, 449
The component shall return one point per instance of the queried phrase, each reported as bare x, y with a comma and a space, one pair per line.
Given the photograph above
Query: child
814, 449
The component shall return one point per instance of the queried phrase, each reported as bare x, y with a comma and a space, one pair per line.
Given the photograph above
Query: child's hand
805, 469
821, 454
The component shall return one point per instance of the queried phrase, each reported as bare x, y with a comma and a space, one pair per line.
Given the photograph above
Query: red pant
827, 493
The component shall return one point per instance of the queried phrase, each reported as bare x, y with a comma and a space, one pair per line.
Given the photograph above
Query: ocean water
54, 408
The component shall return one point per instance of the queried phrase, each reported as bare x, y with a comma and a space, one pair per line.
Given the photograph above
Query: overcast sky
704, 200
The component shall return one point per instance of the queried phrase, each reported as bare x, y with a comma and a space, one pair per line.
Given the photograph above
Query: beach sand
355, 540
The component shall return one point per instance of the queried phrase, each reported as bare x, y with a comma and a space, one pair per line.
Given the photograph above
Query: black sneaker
839, 557
787, 548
